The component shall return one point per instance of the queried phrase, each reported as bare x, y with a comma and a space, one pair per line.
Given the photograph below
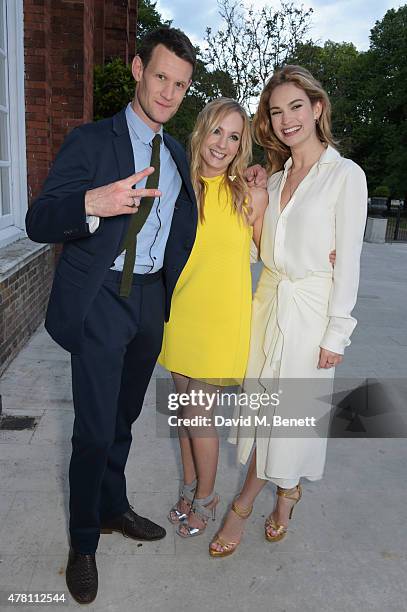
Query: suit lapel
122, 145
124, 155
183, 167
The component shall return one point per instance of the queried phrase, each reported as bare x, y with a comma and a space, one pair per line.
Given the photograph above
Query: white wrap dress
301, 304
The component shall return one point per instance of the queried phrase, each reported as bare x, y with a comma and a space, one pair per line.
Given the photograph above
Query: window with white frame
13, 189
5, 163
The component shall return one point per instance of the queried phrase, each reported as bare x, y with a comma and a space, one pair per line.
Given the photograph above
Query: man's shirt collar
141, 129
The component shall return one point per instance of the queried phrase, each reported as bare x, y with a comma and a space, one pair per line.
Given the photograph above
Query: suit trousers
110, 376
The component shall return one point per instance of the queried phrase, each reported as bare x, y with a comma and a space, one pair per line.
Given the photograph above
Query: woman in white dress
301, 315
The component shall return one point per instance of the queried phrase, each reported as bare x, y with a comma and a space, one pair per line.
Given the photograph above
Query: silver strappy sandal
186, 495
200, 509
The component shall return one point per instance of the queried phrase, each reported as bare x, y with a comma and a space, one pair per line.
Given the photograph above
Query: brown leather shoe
82, 577
131, 525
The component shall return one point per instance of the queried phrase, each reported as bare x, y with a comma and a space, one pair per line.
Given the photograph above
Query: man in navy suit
93, 189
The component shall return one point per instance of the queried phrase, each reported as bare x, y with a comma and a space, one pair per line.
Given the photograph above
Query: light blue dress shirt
152, 238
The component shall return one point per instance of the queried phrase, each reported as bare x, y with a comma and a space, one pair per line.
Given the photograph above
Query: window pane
5, 191
2, 24
3, 137
2, 80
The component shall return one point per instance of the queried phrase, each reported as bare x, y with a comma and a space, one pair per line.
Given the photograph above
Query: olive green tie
138, 220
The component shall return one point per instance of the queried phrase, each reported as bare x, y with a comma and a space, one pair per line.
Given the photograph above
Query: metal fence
396, 229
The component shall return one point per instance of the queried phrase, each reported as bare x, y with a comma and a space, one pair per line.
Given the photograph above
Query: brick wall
37, 52
58, 40
99, 33
88, 57
120, 20
23, 299
63, 40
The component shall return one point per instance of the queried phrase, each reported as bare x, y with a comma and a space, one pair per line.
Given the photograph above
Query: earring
316, 120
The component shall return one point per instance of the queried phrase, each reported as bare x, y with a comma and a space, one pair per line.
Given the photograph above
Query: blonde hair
277, 152
208, 119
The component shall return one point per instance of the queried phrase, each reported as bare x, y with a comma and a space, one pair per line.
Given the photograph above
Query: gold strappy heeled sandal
281, 530
229, 547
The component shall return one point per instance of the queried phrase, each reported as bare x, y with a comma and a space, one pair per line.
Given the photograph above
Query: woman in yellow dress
206, 340
301, 316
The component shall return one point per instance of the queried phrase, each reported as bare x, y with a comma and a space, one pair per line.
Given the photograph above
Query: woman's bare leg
205, 447
189, 473
282, 508
183, 504
204, 440
233, 526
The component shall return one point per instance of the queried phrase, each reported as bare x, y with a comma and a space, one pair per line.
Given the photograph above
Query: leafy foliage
252, 43
382, 191
388, 86
335, 65
113, 88
148, 18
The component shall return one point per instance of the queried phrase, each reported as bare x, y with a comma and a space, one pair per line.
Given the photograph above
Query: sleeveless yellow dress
208, 333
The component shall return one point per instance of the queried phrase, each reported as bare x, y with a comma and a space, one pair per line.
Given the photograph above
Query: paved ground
346, 548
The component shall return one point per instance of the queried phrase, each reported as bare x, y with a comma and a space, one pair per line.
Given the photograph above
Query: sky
337, 20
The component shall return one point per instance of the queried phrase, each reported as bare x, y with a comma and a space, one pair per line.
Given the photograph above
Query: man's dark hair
173, 39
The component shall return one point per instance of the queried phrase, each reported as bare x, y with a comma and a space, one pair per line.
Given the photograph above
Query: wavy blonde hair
277, 152
208, 119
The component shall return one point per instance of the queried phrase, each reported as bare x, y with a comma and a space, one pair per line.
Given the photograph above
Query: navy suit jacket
93, 155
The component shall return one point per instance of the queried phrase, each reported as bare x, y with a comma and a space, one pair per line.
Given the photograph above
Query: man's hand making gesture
120, 197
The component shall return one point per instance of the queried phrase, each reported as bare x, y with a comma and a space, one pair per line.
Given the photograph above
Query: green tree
113, 88
388, 76
336, 66
251, 43
148, 18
